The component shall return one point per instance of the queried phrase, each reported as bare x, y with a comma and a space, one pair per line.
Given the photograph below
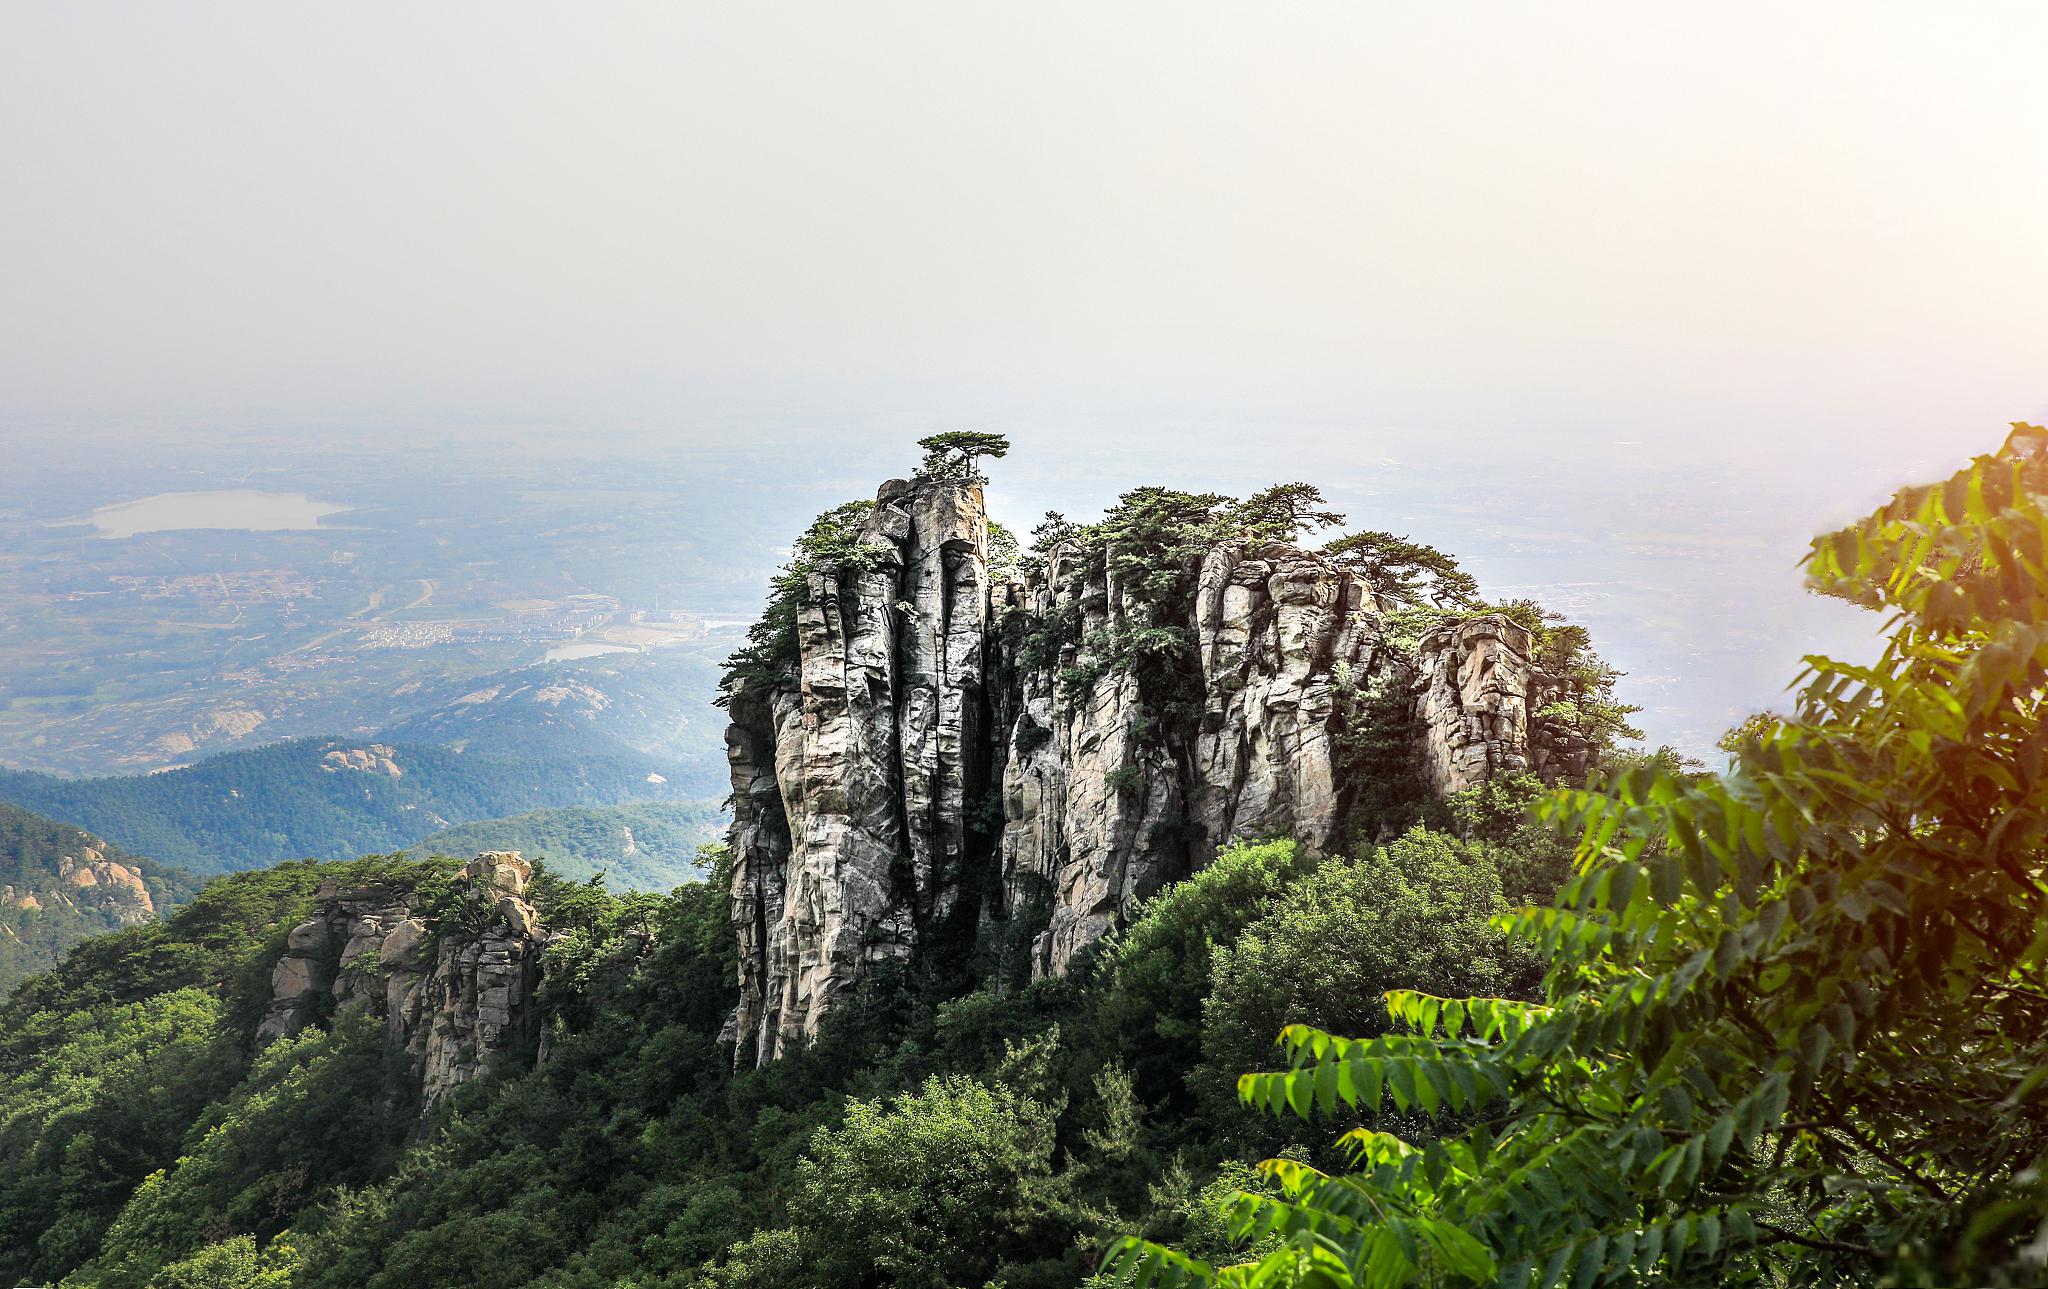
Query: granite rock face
954, 751
453, 1001
90, 880
1105, 798
851, 789
1477, 695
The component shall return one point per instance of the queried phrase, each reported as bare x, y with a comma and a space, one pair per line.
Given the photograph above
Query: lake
246, 510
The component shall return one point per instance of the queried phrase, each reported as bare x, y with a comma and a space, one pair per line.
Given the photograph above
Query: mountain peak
942, 746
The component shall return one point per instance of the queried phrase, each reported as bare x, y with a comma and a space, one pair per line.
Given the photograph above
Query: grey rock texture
1476, 697
453, 1002
1105, 800
954, 750
851, 790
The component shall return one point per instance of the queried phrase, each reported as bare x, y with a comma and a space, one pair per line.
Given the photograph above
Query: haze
1755, 219
1772, 259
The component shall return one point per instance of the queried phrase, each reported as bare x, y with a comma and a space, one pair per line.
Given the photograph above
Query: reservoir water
246, 510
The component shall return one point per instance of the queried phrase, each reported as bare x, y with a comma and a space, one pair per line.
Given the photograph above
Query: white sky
1693, 224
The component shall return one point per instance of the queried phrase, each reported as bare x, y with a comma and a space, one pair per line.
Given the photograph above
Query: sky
1633, 221
1776, 258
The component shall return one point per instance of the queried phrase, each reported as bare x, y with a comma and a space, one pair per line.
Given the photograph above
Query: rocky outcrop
91, 880
951, 751
374, 759
851, 788
60, 885
1106, 796
1477, 696
454, 996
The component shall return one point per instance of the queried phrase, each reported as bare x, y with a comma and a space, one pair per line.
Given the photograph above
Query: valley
132, 638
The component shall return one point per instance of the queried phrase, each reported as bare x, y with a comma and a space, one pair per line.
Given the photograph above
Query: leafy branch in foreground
1796, 1017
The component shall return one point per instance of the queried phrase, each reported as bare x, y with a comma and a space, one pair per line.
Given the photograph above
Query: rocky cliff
454, 992
60, 884
952, 750
88, 879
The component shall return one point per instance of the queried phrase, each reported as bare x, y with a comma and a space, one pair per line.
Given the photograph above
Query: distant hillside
655, 704
646, 847
60, 884
328, 798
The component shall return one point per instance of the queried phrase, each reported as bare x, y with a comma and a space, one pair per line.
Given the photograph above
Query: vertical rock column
945, 583
1473, 689
1280, 631
1098, 814
1086, 780
850, 787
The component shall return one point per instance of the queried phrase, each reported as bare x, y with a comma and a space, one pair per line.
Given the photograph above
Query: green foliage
315, 1112
930, 1190
1054, 530
1151, 544
284, 801
1413, 915
1005, 555
48, 913
1497, 817
1284, 511
1373, 741
91, 1102
954, 455
1155, 976
1405, 572
1793, 1028
233, 1263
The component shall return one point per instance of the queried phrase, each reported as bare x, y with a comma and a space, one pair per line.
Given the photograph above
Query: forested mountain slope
327, 797
647, 846
60, 884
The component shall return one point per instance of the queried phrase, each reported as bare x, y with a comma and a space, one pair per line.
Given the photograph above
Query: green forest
642, 847
1781, 1023
293, 800
42, 914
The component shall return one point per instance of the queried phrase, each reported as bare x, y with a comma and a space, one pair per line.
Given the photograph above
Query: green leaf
1718, 1139
1401, 1078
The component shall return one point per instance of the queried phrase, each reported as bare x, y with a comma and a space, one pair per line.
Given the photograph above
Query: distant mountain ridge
655, 704
60, 884
331, 797
645, 846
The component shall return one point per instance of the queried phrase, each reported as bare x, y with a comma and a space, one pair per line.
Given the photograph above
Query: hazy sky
1621, 302
1690, 225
